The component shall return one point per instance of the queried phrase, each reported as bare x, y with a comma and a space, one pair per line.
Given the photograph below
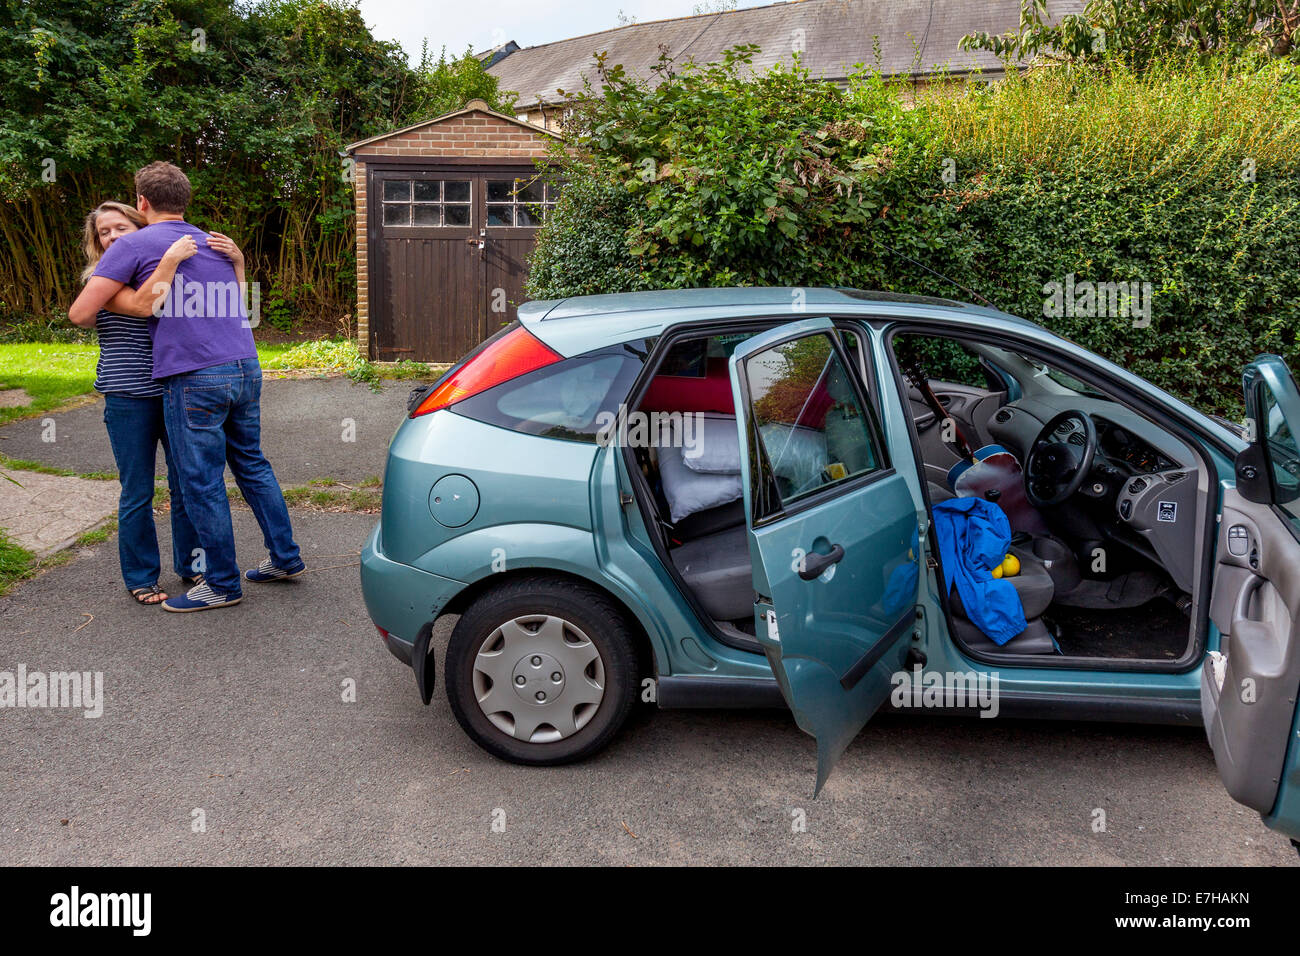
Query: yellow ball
1011, 566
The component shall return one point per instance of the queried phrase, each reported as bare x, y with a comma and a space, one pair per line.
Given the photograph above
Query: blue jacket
974, 536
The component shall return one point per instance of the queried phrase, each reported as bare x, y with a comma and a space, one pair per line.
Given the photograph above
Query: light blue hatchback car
749, 497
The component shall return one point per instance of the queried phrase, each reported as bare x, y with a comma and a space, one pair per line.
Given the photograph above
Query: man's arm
98, 291
141, 302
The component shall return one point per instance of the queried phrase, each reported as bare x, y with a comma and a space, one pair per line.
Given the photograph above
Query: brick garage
447, 212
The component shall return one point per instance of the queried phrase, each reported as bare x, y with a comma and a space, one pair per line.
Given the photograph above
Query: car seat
1035, 589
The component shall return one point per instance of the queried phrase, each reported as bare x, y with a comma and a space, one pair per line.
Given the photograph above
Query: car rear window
564, 400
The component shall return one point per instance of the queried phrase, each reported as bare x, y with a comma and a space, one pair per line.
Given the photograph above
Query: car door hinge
625, 499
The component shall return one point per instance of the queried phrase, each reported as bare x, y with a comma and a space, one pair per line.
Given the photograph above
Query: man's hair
165, 186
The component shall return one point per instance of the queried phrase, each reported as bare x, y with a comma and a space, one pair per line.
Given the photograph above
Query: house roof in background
473, 106
916, 37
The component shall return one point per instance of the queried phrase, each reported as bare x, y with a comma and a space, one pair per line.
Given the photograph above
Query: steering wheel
1059, 460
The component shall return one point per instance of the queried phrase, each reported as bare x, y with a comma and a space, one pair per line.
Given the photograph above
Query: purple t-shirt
204, 321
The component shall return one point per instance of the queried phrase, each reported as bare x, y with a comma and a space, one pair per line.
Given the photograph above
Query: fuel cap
453, 501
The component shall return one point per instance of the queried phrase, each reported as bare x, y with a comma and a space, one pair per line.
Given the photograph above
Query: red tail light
515, 353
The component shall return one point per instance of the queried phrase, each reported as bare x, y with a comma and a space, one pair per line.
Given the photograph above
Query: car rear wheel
541, 672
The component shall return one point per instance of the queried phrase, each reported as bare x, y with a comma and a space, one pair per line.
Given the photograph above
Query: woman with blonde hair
133, 404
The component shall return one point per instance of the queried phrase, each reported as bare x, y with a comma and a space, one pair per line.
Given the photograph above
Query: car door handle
1241, 611
814, 564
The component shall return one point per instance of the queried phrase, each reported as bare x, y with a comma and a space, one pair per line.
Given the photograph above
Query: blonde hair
90, 234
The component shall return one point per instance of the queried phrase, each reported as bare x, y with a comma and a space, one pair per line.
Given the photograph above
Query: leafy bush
20, 331
334, 354
342, 355
253, 100
1143, 31
1185, 175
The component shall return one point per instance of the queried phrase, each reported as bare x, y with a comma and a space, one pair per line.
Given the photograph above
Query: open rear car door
832, 531
1249, 699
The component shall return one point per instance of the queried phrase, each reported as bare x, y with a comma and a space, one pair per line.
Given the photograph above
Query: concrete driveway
312, 428
236, 719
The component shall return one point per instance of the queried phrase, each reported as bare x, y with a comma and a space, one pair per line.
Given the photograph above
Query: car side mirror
1251, 470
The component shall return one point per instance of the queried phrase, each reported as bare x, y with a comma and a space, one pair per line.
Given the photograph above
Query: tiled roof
915, 37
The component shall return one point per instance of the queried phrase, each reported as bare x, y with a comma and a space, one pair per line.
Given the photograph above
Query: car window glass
1283, 455
571, 397
812, 428
564, 400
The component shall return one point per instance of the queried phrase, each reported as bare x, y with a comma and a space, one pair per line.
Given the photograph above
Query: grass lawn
14, 562
52, 373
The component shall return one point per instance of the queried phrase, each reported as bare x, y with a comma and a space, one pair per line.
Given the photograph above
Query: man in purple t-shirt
206, 361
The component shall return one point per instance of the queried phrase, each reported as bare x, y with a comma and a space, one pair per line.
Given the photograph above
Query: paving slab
311, 428
14, 398
45, 513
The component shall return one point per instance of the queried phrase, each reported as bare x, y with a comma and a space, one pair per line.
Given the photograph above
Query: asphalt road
239, 714
305, 431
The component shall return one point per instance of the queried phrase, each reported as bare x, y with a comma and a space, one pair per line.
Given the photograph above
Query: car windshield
1061, 378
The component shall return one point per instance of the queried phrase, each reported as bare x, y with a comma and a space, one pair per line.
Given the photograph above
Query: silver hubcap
539, 678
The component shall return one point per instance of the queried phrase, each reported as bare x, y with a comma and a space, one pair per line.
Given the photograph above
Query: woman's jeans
135, 429
214, 418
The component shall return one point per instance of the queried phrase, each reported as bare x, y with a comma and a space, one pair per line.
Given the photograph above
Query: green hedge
1185, 176
254, 101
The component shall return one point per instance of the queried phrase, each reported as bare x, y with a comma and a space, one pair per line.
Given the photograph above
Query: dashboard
1118, 444
1145, 475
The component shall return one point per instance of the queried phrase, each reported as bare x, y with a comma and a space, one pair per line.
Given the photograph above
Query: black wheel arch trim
423, 663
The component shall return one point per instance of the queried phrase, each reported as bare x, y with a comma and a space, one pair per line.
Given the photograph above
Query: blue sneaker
266, 571
201, 597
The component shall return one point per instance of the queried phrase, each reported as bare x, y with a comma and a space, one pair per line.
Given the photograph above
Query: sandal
190, 582
150, 595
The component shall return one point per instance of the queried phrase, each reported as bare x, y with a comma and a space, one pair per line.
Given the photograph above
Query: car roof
579, 323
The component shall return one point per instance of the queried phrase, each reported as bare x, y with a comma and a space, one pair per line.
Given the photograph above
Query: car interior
701, 512
1107, 528
1105, 507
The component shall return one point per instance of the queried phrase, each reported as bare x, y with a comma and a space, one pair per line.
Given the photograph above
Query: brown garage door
450, 255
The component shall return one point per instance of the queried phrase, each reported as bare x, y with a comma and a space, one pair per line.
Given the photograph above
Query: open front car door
832, 531
1248, 696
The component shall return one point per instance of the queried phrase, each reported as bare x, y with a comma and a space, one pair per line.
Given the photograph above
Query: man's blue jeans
214, 418
135, 428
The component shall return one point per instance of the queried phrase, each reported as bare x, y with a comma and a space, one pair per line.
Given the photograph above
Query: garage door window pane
523, 201
427, 202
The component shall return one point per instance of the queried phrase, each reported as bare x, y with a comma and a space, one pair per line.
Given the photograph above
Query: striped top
125, 356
